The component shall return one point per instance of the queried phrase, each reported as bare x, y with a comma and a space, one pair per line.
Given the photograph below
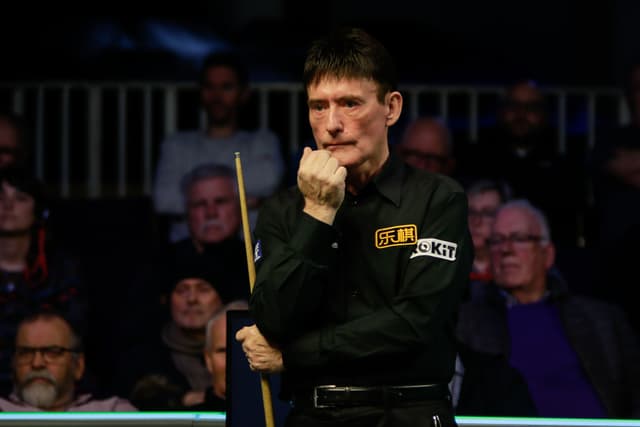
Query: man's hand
262, 356
321, 181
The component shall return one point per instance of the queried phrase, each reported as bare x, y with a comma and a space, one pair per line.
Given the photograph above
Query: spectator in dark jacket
578, 356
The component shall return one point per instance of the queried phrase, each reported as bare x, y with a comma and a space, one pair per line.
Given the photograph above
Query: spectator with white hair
578, 356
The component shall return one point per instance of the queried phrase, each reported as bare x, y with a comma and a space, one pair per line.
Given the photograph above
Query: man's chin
40, 393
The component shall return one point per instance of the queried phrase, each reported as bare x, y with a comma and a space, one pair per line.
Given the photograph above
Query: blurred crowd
548, 322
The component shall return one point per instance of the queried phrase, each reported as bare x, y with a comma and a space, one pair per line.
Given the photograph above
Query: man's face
8, 144
47, 380
221, 95
213, 211
424, 146
524, 112
16, 209
216, 356
482, 211
348, 120
193, 302
520, 260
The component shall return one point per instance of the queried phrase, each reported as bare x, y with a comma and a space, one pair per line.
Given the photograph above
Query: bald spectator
47, 362
426, 144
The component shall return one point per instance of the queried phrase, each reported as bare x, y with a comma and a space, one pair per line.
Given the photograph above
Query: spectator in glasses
485, 197
578, 356
426, 144
47, 362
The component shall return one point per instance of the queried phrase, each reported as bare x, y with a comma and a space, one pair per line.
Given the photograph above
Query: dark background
558, 42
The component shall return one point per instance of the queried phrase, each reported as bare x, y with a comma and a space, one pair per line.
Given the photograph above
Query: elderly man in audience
577, 355
47, 362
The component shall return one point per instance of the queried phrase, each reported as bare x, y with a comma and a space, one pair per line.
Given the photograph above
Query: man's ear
208, 360
394, 107
78, 370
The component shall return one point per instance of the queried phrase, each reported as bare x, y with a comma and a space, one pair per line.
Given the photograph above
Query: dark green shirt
372, 299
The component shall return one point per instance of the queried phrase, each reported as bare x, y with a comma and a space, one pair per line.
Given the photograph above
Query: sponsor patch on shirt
435, 248
257, 251
398, 235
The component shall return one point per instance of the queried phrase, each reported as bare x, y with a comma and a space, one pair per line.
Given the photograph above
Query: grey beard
40, 395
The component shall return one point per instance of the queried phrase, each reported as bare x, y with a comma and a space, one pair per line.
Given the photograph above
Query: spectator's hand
193, 397
262, 356
321, 181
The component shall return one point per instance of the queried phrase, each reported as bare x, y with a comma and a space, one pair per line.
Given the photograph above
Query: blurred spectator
33, 274
166, 369
213, 219
47, 362
485, 197
224, 88
13, 141
616, 177
426, 144
523, 151
215, 354
578, 355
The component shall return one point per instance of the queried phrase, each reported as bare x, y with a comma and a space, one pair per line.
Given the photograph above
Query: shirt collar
389, 181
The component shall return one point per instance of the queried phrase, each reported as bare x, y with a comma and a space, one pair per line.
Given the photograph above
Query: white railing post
122, 142
94, 142
170, 109
147, 166
65, 147
39, 133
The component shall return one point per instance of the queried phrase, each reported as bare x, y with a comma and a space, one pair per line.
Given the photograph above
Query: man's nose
212, 209
38, 359
334, 121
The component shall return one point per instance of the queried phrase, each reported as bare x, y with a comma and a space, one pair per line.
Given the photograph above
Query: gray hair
485, 185
218, 315
202, 172
536, 213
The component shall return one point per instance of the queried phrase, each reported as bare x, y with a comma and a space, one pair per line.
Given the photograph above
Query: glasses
50, 354
517, 240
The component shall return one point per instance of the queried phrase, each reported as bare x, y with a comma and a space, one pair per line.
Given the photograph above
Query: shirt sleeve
427, 299
166, 189
264, 174
292, 268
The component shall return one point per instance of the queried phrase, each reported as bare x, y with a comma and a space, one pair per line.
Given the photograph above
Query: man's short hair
536, 213
485, 185
48, 315
233, 305
204, 171
227, 59
351, 53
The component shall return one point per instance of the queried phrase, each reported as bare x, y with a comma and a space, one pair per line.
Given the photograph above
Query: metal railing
92, 139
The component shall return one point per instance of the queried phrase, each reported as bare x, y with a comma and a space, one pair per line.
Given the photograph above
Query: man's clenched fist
321, 181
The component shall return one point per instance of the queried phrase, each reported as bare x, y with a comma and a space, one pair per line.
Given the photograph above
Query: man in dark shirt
360, 268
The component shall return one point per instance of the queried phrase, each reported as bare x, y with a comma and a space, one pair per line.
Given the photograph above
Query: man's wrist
322, 213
